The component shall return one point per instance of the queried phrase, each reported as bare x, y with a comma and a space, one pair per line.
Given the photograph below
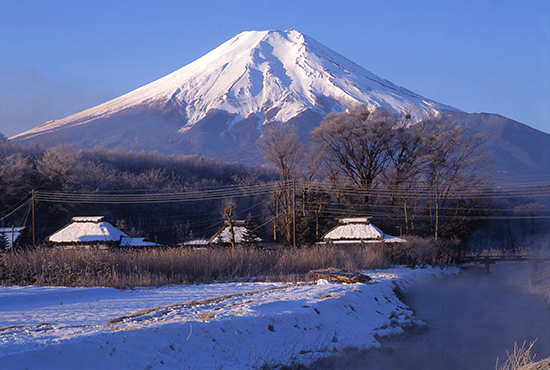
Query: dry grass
422, 251
156, 267
531, 281
520, 357
539, 283
503, 252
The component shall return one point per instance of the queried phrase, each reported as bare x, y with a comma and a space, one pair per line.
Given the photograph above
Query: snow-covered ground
207, 326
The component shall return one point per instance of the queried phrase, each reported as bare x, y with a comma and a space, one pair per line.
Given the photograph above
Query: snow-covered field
207, 326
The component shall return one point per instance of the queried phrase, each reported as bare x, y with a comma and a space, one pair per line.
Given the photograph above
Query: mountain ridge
216, 105
275, 75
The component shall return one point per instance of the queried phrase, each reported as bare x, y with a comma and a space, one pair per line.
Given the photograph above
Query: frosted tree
61, 166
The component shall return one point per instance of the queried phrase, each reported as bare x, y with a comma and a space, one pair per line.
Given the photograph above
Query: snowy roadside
213, 326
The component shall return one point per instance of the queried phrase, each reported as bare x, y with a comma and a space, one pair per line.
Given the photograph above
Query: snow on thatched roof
224, 235
358, 230
136, 242
196, 243
87, 230
95, 219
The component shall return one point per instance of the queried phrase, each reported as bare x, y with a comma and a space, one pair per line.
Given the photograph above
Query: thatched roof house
93, 232
240, 230
357, 231
87, 232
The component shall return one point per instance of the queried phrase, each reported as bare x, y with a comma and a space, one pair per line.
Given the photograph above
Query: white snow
87, 219
214, 326
225, 235
355, 231
87, 229
358, 229
197, 242
354, 220
136, 242
274, 75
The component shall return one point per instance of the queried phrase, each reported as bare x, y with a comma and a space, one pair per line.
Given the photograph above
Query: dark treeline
424, 178
67, 169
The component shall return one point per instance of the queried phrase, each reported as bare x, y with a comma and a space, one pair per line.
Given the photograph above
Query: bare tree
228, 212
403, 175
282, 149
358, 143
454, 165
284, 152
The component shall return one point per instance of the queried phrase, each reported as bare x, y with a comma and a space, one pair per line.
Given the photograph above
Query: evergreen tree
122, 225
251, 237
4, 241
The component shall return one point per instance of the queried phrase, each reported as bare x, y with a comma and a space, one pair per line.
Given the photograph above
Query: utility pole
276, 201
33, 223
294, 213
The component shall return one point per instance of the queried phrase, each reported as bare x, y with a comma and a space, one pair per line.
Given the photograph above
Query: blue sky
58, 57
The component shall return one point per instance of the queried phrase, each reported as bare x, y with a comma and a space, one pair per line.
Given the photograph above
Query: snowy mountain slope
217, 105
519, 152
265, 75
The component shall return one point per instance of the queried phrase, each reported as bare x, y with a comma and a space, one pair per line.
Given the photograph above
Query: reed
156, 267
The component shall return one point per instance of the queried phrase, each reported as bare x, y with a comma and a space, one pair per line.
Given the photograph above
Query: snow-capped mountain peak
272, 75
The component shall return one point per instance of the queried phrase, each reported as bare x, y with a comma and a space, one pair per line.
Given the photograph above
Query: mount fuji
217, 105
253, 79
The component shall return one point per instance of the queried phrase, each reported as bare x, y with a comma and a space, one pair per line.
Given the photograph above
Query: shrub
423, 251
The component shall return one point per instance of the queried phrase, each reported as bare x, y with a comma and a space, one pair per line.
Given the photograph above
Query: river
472, 320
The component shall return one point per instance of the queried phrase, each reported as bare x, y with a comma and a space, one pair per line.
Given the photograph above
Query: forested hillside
63, 169
425, 179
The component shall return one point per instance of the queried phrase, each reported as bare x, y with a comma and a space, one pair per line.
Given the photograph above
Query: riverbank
472, 319
205, 326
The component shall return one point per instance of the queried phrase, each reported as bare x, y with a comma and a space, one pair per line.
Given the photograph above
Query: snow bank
229, 326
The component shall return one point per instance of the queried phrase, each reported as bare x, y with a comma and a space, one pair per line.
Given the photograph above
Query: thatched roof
358, 230
87, 230
224, 235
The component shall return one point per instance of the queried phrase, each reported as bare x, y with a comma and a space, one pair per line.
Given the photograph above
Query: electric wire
168, 197
27, 201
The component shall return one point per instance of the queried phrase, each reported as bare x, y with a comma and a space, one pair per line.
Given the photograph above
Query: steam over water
472, 319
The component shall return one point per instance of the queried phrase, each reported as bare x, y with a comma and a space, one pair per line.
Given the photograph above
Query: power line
18, 206
148, 198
